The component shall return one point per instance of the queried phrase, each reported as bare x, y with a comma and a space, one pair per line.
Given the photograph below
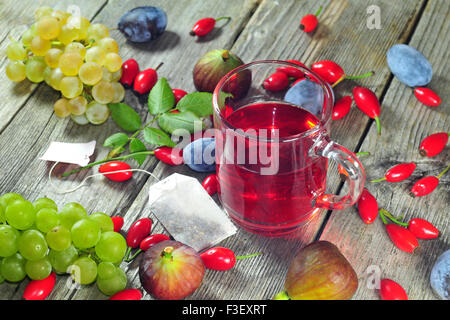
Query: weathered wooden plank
262, 277
22, 143
405, 123
14, 22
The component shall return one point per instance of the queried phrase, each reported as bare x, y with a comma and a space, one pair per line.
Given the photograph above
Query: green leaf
161, 97
125, 116
170, 122
137, 145
116, 140
157, 137
199, 103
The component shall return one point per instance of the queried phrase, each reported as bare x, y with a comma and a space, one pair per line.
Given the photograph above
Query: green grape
103, 220
78, 105
9, 240
59, 238
27, 36
45, 202
2, 215
35, 68
32, 245
103, 92
107, 75
20, 214
83, 270
97, 113
46, 219
54, 78
62, 108
67, 34
12, 268
48, 27
15, 51
71, 213
42, 12
119, 92
80, 24
111, 247
1, 277
114, 284
52, 57
61, 260
80, 120
76, 47
71, 87
38, 270
16, 71
90, 73
8, 198
116, 75
85, 233
95, 54
106, 270
113, 62
109, 45
96, 32
70, 63
40, 46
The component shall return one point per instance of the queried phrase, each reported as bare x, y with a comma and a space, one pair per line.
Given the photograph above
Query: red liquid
277, 203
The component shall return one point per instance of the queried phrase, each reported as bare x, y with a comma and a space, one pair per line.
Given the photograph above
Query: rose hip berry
341, 107
367, 102
309, 22
118, 223
333, 73
169, 155
278, 81
116, 166
292, 71
427, 96
204, 26
127, 294
40, 289
367, 207
426, 185
398, 173
402, 238
423, 229
433, 144
130, 70
221, 259
145, 80
138, 231
178, 93
391, 290
210, 184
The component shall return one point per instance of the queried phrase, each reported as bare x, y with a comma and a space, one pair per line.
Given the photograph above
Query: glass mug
272, 155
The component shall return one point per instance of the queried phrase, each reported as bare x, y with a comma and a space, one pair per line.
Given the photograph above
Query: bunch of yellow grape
72, 56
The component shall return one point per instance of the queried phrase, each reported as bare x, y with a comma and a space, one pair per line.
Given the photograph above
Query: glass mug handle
350, 164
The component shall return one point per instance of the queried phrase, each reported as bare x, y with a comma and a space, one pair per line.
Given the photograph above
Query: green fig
214, 65
319, 271
171, 270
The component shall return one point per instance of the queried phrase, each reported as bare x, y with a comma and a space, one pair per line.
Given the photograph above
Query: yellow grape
61, 16
107, 75
52, 57
62, 108
96, 32
97, 113
27, 36
81, 24
70, 63
15, 51
90, 73
54, 78
42, 12
109, 45
78, 105
34, 69
113, 62
48, 27
67, 34
119, 92
15, 71
40, 46
117, 75
76, 47
103, 92
71, 87
95, 54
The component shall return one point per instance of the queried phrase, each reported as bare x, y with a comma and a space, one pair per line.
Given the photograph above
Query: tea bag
188, 212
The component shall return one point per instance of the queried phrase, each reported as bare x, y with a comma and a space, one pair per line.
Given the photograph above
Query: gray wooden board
406, 122
271, 32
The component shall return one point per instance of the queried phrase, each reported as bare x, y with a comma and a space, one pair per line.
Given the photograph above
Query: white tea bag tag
188, 212
76, 153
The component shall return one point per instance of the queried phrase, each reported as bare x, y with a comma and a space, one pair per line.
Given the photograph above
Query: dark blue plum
200, 154
440, 276
306, 94
409, 65
143, 24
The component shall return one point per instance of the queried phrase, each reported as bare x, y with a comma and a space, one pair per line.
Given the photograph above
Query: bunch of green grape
36, 238
72, 56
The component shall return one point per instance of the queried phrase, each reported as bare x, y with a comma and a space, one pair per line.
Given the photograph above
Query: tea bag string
82, 183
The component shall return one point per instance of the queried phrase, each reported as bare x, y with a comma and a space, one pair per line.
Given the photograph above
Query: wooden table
259, 29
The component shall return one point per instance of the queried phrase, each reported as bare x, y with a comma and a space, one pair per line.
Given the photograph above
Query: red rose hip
391, 290
427, 96
433, 144
130, 70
